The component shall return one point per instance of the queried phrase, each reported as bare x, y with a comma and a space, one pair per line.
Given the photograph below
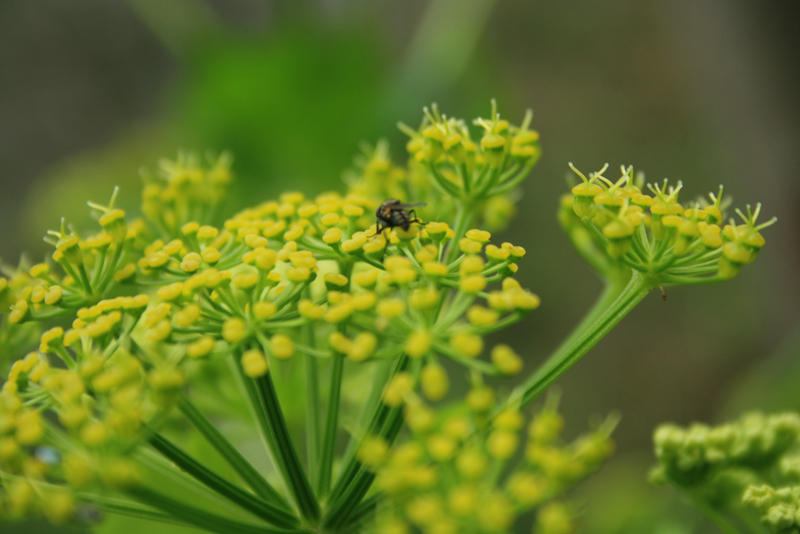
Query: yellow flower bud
472, 284
469, 246
51, 338
480, 399
53, 295
201, 347
398, 387
170, 292
481, 236
366, 279
254, 363
471, 264
332, 235
233, 330
418, 343
362, 347
437, 230
94, 433
471, 463
506, 360
441, 447
191, 262
434, 381
463, 500
246, 280
339, 313
466, 344
418, 417
372, 452
187, 316
502, 444
281, 346
309, 310
391, 308
423, 298
527, 489
298, 274
480, 316
335, 280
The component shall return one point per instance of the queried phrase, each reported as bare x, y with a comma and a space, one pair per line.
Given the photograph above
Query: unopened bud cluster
750, 465
458, 471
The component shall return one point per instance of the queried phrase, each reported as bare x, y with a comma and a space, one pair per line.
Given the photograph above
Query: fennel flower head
301, 316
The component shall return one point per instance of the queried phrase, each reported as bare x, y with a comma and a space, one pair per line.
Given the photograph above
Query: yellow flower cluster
68, 424
450, 170
185, 189
453, 475
153, 300
619, 225
271, 271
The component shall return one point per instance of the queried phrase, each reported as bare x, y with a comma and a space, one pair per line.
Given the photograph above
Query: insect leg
415, 219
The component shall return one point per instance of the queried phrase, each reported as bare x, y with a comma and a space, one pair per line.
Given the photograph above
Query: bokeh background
706, 92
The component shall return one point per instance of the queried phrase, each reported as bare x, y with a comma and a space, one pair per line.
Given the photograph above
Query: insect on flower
393, 213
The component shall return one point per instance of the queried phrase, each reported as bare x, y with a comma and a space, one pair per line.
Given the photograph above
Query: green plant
294, 321
743, 475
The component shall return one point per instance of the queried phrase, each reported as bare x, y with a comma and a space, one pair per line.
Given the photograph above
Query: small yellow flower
234, 329
281, 346
418, 343
434, 381
254, 363
506, 360
200, 347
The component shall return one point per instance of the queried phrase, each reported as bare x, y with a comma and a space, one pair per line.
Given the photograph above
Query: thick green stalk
603, 317
378, 412
244, 468
212, 480
198, 517
342, 509
388, 422
269, 416
463, 219
331, 424
312, 413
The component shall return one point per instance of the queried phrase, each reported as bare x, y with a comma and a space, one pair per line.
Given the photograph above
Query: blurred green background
706, 92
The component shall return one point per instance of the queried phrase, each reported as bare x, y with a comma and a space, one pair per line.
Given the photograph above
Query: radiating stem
312, 414
199, 517
236, 495
600, 320
269, 416
245, 469
354, 484
331, 424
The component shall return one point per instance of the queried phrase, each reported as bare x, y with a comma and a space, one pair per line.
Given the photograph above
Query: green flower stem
342, 509
245, 469
269, 416
331, 424
463, 219
113, 505
386, 369
357, 486
236, 495
313, 408
713, 515
603, 317
201, 518
377, 411
363, 512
